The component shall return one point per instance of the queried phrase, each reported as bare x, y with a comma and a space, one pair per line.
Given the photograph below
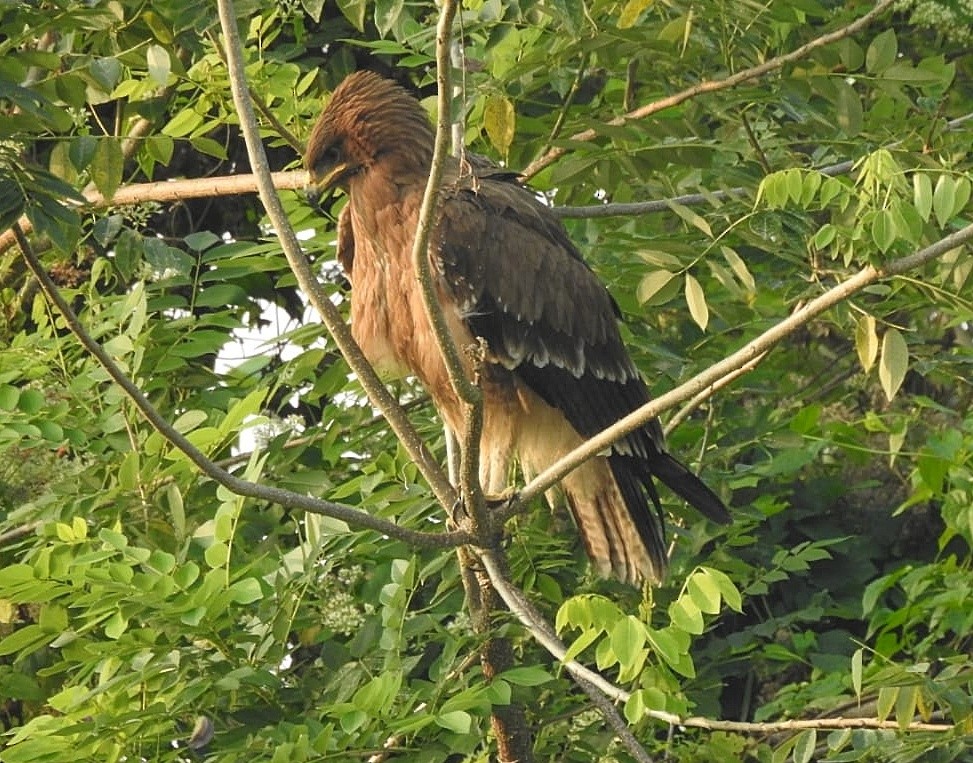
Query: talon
499, 500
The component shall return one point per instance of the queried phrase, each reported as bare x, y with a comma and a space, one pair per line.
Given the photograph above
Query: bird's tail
621, 536
689, 487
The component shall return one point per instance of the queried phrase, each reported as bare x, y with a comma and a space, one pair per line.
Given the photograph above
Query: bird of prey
508, 279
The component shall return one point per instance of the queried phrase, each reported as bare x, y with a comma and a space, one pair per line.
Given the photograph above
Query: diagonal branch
748, 354
712, 86
542, 632
239, 486
380, 397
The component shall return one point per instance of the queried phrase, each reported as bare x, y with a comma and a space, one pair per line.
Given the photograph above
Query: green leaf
944, 199
106, 166
697, 302
883, 230
628, 640
31, 401
643, 701
160, 148
729, 591
894, 362
246, 591
387, 13
882, 52
922, 194
739, 268
183, 123
217, 554
686, 615
804, 746
691, 217
9, 397
905, 705
665, 644
25, 640
887, 696
528, 675
457, 721
848, 109
704, 593
582, 642
962, 195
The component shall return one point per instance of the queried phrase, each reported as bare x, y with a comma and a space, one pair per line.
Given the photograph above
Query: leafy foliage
141, 603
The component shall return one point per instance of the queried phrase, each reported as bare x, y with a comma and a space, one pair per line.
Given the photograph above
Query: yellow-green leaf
652, 283
159, 65
856, 672
631, 12
893, 363
866, 341
697, 302
739, 268
922, 194
499, 120
886, 701
943, 199
905, 705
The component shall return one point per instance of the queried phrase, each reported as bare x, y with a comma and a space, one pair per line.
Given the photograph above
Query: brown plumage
506, 272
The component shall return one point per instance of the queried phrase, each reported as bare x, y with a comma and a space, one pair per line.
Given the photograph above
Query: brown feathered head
368, 121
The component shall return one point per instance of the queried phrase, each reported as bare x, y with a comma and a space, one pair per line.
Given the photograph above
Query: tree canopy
216, 546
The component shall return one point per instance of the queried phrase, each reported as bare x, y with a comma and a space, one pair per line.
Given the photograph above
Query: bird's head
369, 122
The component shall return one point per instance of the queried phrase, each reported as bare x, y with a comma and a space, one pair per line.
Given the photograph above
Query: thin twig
683, 413
712, 86
464, 388
748, 354
233, 483
632, 209
377, 393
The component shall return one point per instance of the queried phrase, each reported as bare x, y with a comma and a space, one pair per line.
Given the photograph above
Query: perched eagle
556, 371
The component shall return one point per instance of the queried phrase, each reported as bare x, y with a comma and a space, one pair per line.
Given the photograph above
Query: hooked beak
322, 186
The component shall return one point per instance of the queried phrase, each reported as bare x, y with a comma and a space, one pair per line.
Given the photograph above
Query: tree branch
748, 354
464, 388
233, 483
542, 632
377, 393
712, 86
635, 208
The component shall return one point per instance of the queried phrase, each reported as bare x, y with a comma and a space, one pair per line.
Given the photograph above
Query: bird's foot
500, 500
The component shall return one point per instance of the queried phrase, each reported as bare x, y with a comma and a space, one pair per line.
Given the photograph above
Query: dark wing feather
525, 289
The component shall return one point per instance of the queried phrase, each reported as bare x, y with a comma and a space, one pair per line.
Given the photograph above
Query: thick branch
239, 486
712, 86
306, 279
748, 354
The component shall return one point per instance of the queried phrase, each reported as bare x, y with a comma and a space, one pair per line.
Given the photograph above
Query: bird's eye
328, 158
